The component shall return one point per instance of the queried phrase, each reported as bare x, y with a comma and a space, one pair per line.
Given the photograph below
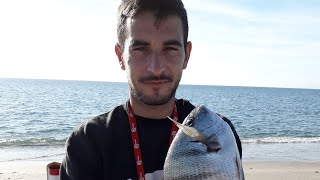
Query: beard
156, 98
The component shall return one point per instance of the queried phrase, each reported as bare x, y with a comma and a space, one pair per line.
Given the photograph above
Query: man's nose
156, 64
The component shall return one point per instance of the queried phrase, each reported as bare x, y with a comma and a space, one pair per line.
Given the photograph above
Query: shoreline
294, 161
250, 152
262, 170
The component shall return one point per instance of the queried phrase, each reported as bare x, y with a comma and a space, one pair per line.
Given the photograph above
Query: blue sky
235, 43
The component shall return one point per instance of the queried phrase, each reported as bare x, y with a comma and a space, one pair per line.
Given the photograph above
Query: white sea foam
273, 140
18, 153
31, 142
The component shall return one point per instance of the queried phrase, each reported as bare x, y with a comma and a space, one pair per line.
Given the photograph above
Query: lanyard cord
135, 138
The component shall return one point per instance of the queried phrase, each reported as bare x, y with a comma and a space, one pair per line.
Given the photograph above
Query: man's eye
170, 48
139, 48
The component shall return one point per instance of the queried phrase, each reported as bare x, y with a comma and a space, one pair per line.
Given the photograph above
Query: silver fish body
203, 148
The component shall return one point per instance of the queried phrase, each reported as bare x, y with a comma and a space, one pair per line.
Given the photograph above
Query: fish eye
189, 122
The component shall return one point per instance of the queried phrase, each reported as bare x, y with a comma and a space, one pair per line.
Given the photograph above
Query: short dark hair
160, 8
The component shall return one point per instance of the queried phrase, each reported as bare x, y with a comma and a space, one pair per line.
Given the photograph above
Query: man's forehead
148, 17
143, 28
137, 42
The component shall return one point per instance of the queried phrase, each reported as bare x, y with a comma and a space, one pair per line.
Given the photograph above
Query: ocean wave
32, 142
31, 157
279, 140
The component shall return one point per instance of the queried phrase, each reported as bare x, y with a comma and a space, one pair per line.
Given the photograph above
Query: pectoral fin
213, 147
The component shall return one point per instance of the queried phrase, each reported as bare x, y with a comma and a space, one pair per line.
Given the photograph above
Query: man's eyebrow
136, 42
173, 42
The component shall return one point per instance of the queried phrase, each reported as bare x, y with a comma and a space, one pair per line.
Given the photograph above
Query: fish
203, 148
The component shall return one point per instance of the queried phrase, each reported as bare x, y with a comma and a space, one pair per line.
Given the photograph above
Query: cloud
234, 43
286, 30
51, 39
214, 7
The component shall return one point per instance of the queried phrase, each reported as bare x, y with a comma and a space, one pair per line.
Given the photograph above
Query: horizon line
187, 84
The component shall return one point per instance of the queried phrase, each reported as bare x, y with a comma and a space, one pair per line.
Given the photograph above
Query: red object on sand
54, 170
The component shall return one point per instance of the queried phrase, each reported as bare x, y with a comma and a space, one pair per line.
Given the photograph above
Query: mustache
155, 78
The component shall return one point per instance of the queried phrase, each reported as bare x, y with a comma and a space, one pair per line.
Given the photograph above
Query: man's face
153, 57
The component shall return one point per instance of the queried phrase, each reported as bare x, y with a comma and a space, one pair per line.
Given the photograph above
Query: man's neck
150, 111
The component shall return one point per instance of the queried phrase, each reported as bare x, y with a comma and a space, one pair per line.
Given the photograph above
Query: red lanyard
135, 138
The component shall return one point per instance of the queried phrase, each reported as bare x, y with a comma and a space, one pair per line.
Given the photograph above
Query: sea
274, 124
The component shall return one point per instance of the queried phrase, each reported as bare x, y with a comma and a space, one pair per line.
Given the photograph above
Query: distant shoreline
181, 84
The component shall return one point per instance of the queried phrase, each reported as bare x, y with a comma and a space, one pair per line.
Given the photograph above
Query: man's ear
118, 51
188, 52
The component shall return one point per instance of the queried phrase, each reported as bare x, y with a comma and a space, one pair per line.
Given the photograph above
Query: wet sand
262, 170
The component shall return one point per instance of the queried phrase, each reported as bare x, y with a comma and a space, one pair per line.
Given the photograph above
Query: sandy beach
23, 170
284, 170
261, 170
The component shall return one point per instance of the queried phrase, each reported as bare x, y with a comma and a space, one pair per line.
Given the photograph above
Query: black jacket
101, 148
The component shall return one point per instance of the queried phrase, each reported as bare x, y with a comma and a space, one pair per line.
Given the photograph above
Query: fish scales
203, 148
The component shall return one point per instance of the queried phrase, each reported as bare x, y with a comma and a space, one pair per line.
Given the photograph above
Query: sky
235, 43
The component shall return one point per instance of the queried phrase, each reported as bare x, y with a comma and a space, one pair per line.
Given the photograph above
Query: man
131, 141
